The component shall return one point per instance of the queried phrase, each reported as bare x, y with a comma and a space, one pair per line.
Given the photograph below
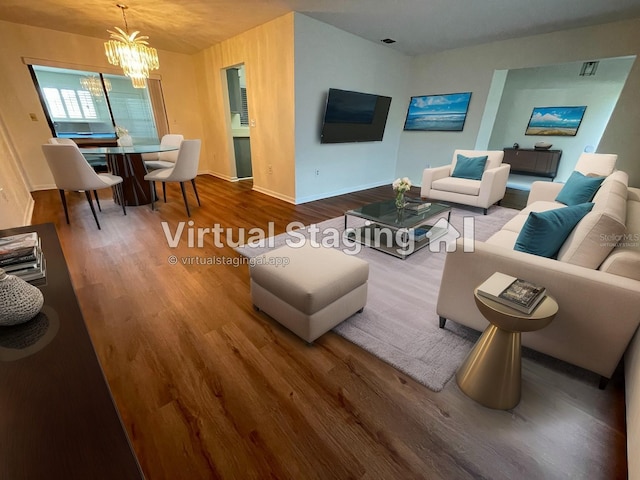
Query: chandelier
132, 53
93, 84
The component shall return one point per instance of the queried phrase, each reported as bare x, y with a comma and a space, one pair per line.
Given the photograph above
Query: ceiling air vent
588, 69
388, 40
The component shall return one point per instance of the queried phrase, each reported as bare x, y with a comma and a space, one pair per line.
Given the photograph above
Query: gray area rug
399, 324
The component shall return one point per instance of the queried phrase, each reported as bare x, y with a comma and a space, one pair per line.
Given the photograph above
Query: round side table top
512, 320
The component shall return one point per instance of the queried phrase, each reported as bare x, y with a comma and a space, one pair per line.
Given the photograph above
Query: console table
57, 416
531, 161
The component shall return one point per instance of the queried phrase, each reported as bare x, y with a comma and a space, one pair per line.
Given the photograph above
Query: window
76, 108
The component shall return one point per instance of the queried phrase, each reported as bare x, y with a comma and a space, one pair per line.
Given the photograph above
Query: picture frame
438, 113
555, 121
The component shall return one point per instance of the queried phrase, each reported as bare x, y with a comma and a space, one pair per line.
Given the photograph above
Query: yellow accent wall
267, 53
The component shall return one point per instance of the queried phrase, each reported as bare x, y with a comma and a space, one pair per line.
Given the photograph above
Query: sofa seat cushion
463, 186
517, 222
544, 232
503, 238
587, 245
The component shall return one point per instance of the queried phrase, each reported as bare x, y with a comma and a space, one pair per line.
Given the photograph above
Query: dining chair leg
164, 192
95, 194
64, 205
93, 210
184, 195
120, 195
193, 182
153, 195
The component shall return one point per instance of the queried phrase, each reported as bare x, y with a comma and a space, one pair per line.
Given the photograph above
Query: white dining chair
61, 141
154, 161
185, 169
71, 171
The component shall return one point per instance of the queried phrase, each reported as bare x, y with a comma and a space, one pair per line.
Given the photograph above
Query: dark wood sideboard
530, 161
57, 417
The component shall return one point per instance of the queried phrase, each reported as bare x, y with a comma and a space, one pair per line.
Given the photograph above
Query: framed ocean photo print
438, 113
555, 121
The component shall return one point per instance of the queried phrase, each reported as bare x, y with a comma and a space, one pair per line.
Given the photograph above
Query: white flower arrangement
401, 185
121, 131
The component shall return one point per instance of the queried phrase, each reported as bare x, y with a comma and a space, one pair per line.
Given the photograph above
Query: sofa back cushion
625, 258
600, 164
494, 157
587, 245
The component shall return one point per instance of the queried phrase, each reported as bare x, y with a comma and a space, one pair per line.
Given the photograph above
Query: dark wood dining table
127, 162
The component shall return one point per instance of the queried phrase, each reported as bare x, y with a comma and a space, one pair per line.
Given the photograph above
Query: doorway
239, 114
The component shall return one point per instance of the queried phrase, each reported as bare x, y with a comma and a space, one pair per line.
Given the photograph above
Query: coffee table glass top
386, 213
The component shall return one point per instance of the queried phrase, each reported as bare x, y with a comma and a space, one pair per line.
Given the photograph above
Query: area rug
399, 324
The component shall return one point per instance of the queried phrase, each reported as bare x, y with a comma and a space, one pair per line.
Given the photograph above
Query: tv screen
354, 117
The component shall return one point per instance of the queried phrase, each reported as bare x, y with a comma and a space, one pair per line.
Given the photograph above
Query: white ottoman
309, 289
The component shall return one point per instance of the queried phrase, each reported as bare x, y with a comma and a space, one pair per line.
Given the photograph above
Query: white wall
326, 57
472, 69
559, 85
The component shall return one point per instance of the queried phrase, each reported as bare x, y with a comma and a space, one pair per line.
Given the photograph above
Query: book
513, 292
19, 245
418, 207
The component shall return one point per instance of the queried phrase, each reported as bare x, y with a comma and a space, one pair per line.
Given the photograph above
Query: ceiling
418, 26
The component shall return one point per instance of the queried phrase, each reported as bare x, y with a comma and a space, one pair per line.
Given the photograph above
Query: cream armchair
438, 184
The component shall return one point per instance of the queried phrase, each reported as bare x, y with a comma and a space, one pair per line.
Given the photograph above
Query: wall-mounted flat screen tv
354, 117
438, 113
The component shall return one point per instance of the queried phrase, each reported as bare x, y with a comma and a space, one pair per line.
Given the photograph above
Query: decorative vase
19, 301
125, 141
400, 203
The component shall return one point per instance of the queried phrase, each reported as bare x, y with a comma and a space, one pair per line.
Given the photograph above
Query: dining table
127, 162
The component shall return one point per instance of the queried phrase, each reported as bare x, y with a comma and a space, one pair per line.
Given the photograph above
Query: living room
302, 58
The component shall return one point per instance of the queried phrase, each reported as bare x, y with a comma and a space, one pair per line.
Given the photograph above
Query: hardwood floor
208, 388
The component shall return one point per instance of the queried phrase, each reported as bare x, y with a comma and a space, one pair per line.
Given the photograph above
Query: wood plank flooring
208, 388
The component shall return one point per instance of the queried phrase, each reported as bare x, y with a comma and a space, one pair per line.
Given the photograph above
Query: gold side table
492, 372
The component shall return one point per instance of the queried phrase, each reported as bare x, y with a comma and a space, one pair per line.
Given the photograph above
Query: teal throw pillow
471, 168
544, 232
579, 189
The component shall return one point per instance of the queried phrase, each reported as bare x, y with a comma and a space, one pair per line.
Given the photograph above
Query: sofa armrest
429, 175
545, 191
493, 185
598, 311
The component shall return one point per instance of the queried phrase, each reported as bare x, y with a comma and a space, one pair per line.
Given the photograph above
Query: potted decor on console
400, 186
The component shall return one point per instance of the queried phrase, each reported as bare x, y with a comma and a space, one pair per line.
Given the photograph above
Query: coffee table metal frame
384, 224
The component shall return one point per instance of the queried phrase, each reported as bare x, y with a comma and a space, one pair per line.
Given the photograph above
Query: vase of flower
400, 186
400, 200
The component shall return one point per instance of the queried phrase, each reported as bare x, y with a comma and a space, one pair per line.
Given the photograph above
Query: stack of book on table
513, 292
21, 255
417, 206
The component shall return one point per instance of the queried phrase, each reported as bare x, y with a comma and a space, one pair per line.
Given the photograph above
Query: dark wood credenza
57, 416
530, 161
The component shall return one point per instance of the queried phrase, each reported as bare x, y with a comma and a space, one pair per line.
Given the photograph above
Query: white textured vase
19, 301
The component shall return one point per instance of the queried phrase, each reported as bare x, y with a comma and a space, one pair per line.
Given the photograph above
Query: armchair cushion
463, 186
578, 189
470, 168
544, 232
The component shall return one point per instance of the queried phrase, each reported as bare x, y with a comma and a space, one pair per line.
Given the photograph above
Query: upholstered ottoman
309, 289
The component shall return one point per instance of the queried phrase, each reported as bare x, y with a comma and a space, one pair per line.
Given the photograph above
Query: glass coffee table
398, 232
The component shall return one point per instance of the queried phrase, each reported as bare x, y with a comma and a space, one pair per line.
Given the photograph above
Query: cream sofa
595, 280
438, 184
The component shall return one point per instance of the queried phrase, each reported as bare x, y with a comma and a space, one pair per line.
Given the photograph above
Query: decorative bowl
542, 146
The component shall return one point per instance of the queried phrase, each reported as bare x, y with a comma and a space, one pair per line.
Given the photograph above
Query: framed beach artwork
555, 121
438, 113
